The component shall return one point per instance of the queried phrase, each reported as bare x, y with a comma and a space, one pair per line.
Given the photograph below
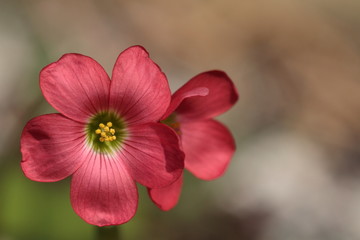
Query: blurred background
296, 64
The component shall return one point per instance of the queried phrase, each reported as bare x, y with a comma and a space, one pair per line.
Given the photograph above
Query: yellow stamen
106, 132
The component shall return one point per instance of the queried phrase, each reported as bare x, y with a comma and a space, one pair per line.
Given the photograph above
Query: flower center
172, 122
106, 132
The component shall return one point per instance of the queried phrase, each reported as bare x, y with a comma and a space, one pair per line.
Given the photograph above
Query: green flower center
172, 122
105, 132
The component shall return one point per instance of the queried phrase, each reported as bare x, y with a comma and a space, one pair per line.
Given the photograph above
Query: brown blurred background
296, 64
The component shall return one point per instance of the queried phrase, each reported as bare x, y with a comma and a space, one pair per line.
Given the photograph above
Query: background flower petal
208, 147
52, 147
166, 198
183, 93
76, 85
102, 191
222, 96
152, 154
139, 90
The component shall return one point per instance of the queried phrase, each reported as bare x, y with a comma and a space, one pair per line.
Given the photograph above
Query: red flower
106, 135
208, 145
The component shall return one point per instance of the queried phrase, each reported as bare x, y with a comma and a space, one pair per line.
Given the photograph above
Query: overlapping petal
76, 85
152, 154
166, 198
52, 147
182, 94
103, 192
222, 96
209, 148
139, 90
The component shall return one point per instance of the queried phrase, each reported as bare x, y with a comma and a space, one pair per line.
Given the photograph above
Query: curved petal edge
52, 148
208, 146
166, 198
76, 85
153, 155
221, 97
103, 192
139, 89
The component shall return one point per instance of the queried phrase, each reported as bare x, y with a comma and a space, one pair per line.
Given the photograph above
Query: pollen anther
107, 134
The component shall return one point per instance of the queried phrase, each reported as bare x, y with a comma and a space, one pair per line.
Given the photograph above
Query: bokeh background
296, 64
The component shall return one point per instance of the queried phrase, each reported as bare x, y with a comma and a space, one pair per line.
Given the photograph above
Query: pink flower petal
139, 90
166, 198
52, 147
222, 96
76, 85
152, 154
208, 147
102, 191
181, 94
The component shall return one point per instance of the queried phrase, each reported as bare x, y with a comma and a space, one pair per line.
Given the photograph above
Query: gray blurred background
296, 64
